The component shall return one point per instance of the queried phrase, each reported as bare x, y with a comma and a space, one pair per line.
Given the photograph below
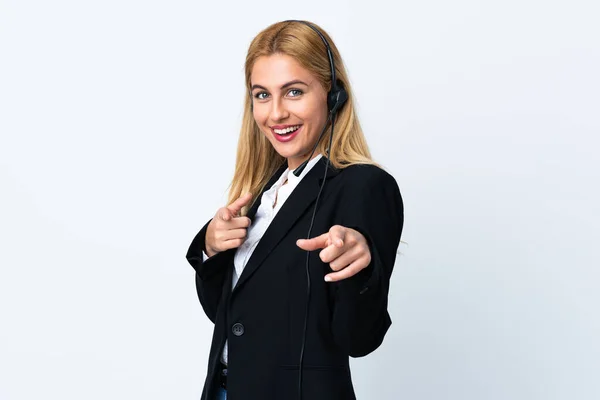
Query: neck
294, 163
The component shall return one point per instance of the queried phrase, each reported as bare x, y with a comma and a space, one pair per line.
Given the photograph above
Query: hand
345, 249
227, 230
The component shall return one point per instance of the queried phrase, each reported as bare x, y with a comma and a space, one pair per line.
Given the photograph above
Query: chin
287, 150
286, 154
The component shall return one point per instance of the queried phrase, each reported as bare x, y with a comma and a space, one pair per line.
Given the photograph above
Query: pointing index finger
319, 242
237, 205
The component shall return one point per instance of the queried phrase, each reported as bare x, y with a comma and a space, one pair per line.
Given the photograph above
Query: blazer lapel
299, 200
252, 211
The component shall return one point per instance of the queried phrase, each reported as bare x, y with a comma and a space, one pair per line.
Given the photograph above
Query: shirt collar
292, 179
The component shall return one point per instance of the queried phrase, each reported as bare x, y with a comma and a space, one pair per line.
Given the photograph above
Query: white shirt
264, 215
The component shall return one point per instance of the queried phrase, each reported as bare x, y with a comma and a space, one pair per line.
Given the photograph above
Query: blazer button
237, 329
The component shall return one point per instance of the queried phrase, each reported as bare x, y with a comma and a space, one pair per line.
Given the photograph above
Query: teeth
286, 130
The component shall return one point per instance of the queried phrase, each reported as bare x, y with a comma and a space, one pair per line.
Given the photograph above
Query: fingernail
327, 278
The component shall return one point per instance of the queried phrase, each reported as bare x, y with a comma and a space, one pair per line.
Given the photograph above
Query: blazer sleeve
210, 274
372, 206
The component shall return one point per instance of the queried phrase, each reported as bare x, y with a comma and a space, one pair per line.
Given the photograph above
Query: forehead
278, 69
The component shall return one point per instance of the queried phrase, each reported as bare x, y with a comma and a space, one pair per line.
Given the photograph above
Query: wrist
209, 251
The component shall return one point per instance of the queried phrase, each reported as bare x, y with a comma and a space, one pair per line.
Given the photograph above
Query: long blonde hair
256, 158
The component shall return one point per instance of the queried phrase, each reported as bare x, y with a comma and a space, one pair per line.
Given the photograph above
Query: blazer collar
301, 198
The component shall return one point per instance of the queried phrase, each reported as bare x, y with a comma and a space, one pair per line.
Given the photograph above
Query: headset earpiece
336, 98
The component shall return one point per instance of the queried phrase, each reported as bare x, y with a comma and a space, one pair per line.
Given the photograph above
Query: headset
336, 97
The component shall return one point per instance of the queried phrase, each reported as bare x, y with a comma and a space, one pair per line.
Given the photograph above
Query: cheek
318, 117
260, 117
307, 112
263, 127
316, 111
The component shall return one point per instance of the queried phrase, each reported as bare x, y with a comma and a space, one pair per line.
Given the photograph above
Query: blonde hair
256, 159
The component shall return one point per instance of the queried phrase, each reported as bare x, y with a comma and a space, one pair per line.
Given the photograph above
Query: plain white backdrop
119, 124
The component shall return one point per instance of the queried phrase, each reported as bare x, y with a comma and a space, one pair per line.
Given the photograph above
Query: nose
278, 110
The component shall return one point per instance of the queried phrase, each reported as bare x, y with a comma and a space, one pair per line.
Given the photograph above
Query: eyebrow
290, 83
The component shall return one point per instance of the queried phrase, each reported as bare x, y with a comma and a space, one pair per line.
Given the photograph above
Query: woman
285, 326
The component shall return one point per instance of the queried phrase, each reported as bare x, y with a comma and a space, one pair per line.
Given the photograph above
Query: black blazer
263, 316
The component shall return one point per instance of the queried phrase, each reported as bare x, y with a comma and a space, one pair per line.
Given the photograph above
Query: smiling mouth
287, 131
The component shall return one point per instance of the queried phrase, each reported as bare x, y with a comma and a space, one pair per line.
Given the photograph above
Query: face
289, 106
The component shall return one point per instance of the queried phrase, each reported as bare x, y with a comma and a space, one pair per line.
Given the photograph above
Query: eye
295, 92
261, 95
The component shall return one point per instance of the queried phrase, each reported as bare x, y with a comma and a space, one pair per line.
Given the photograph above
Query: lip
286, 138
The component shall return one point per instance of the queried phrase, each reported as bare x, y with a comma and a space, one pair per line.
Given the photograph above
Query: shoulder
368, 194
363, 176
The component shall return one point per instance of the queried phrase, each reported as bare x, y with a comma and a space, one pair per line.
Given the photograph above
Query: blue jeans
221, 394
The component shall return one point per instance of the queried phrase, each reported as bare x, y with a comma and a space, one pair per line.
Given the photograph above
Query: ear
336, 97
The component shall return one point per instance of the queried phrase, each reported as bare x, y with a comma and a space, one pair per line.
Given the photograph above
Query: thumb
225, 214
337, 235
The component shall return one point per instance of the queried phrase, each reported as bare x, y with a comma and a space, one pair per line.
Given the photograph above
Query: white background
119, 123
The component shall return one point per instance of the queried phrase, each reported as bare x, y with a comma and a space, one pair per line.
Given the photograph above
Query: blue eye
295, 92
261, 95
